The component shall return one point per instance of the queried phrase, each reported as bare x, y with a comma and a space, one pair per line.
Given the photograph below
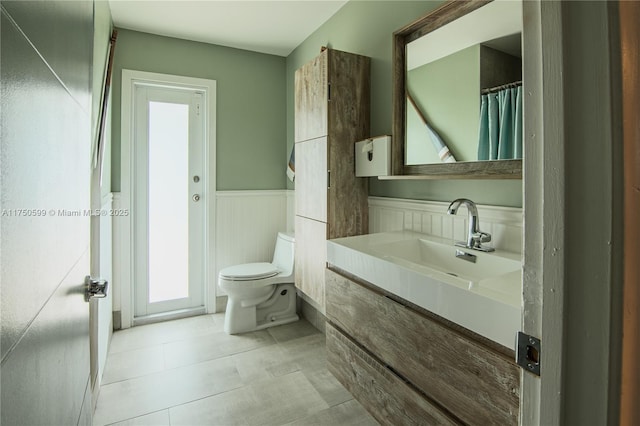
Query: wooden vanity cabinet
332, 106
404, 365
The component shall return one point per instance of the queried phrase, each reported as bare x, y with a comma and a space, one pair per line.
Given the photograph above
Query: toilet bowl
262, 294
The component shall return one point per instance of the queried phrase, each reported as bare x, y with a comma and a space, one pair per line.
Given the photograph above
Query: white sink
441, 257
484, 296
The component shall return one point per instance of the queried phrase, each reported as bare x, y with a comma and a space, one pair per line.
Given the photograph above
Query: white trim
533, 195
117, 252
129, 79
541, 398
107, 199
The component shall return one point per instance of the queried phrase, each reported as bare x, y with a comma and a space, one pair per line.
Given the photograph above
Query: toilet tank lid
250, 271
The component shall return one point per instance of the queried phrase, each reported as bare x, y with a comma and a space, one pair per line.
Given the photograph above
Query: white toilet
261, 295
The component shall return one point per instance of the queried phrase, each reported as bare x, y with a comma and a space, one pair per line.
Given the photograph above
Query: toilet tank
283, 254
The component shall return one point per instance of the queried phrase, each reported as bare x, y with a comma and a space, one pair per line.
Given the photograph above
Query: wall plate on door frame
528, 351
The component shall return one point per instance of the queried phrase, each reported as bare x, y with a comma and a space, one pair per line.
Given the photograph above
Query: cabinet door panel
311, 99
387, 397
311, 179
475, 384
311, 258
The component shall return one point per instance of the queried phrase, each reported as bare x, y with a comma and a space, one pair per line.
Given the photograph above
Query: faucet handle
479, 238
482, 237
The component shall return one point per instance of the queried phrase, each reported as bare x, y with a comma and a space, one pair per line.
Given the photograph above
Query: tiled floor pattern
190, 372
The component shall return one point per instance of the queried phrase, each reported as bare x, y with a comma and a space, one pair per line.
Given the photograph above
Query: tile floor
190, 372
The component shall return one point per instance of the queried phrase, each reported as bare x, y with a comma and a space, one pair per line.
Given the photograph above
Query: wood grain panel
332, 105
348, 121
310, 99
311, 179
311, 258
498, 169
477, 385
385, 396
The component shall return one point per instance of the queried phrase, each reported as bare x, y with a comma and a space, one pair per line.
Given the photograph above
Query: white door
46, 169
168, 201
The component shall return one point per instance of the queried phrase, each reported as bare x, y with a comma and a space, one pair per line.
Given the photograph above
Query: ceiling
266, 26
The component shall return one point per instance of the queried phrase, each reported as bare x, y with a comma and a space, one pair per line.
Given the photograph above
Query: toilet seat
249, 272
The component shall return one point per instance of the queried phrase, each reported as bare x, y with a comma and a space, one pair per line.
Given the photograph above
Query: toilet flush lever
94, 288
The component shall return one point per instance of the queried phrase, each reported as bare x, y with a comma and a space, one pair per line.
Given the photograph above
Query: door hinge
528, 352
198, 110
328, 179
329, 92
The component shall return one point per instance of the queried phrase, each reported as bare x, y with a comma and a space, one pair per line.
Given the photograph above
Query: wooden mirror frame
499, 169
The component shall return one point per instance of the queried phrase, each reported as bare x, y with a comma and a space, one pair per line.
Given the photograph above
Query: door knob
196, 198
95, 288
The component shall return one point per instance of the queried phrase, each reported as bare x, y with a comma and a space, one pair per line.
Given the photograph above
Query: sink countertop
487, 304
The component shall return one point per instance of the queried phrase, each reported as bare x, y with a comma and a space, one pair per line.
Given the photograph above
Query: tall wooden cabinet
332, 105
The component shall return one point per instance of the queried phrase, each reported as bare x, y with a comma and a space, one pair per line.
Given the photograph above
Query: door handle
196, 197
95, 288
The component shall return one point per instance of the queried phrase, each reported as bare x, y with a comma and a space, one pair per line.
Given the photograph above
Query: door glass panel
168, 201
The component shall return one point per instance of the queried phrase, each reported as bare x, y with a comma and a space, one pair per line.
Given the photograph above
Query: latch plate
528, 352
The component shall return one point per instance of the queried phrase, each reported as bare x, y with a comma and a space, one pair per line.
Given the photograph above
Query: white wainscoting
505, 224
247, 223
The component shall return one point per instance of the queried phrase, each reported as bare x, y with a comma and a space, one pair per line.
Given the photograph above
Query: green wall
255, 99
251, 110
366, 28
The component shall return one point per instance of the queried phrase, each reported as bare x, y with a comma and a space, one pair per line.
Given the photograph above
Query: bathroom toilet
261, 295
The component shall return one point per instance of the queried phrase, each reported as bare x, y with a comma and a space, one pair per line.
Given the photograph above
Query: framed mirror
450, 69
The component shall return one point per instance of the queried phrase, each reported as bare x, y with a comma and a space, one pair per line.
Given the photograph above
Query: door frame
131, 78
573, 311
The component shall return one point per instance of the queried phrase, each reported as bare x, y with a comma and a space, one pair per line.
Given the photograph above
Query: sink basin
442, 257
484, 297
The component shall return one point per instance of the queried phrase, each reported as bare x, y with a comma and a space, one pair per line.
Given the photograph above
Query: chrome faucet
475, 236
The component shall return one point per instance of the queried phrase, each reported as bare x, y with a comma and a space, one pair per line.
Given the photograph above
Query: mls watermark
63, 212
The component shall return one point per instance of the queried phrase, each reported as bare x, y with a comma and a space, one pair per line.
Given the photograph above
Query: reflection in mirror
454, 70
